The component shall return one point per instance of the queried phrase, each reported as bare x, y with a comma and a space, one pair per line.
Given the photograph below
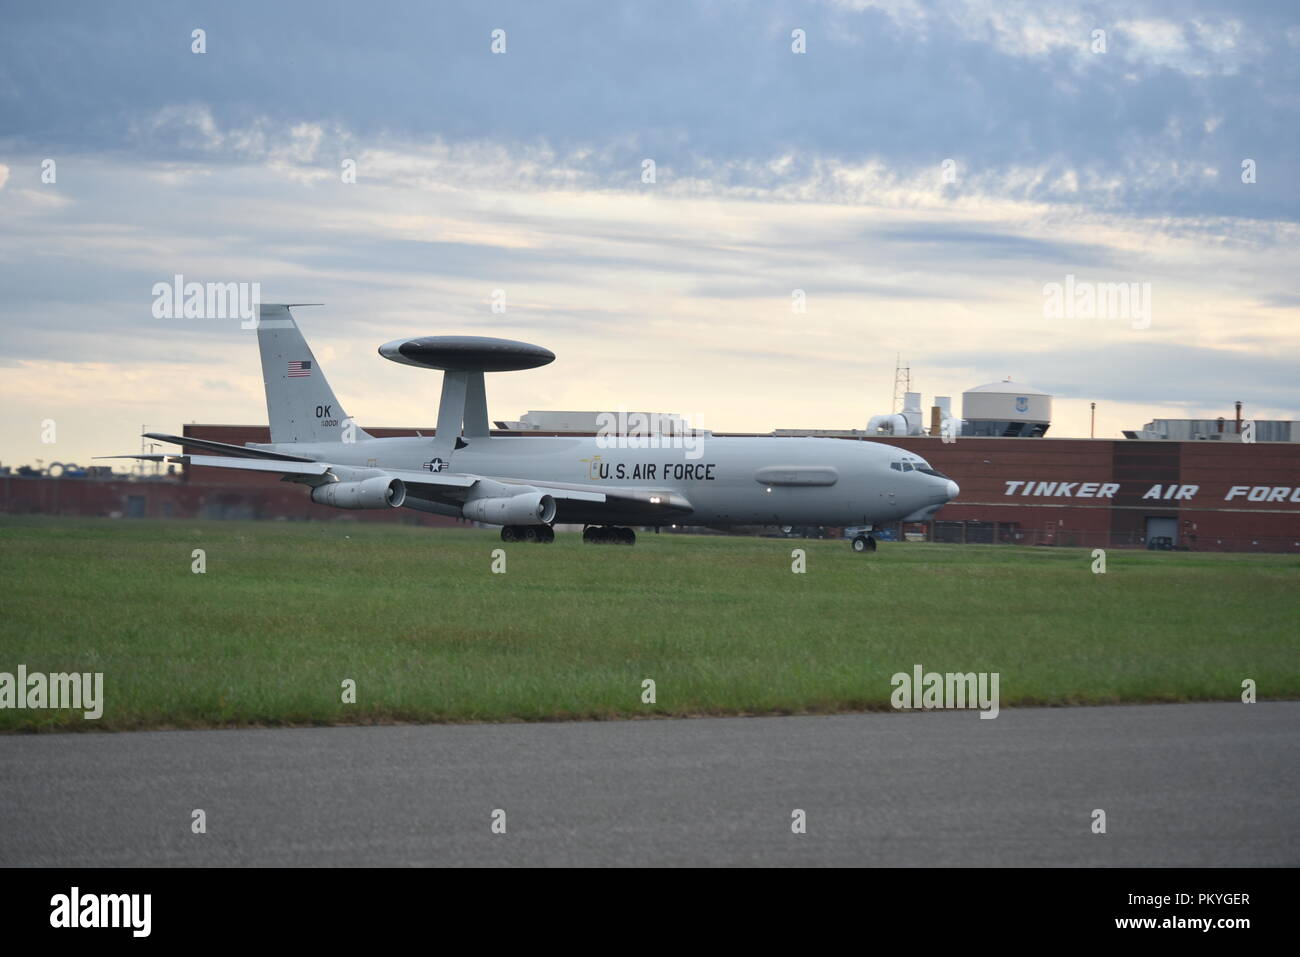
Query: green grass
285, 612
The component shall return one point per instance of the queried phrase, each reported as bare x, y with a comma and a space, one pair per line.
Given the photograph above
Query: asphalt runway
1193, 784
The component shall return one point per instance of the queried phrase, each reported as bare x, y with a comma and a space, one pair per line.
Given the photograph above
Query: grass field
286, 612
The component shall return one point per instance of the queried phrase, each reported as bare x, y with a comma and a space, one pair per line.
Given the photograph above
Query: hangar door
1167, 527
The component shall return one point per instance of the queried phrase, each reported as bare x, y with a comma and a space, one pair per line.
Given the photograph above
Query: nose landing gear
864, 543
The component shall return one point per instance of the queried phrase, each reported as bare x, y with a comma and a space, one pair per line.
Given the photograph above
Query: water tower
1006, 408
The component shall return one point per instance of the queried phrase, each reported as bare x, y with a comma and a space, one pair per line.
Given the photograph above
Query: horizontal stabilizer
226, 448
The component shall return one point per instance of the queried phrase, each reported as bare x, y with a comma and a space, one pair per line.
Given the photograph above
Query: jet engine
378, 492
531, 508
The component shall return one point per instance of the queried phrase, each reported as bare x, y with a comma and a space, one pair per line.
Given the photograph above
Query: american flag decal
299, 369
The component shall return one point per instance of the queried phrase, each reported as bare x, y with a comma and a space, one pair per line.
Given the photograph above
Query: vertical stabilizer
300, 404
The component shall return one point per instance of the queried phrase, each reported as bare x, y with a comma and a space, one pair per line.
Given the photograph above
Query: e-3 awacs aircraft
526, 484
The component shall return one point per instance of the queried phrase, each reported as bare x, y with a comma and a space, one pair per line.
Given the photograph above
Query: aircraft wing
225, 448
285, 467
575, 503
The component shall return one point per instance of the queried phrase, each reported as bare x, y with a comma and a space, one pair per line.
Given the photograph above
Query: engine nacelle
531, 508
378, 492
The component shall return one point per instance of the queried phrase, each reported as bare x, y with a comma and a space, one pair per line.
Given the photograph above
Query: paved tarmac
1189, 784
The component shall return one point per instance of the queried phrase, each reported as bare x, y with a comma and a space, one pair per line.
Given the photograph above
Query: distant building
1223, 495
1006, 409
1003, 409
1214, 430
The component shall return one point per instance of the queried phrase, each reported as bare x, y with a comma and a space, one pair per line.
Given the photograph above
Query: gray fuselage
726, 480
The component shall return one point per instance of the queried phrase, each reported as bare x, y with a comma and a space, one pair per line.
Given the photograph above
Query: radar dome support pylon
462, 408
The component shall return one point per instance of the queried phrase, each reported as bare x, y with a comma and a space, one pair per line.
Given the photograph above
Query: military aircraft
527, 484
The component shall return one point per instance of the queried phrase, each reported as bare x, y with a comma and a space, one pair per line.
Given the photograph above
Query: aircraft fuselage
726, 480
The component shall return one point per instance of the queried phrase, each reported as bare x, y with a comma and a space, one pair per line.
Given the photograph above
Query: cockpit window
915, 465
912, 464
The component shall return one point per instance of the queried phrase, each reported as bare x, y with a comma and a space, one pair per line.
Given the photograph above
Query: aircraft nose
953, 490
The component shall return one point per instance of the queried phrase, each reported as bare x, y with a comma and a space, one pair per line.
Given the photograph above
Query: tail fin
300, 404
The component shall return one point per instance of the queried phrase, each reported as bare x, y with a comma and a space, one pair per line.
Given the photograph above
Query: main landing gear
527, 533
608, 535
864, 543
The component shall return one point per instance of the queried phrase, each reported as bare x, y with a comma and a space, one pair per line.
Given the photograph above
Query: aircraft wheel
626, 536
530, 534
508, 533
864, 543
548, 534
588, 536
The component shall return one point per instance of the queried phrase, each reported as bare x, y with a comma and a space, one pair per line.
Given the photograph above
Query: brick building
1205, 496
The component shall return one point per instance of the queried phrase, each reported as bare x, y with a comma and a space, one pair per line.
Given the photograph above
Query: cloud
1158, 123
1211, 378
821, 172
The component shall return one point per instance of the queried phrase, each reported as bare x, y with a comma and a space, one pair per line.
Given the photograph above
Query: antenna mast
902, 383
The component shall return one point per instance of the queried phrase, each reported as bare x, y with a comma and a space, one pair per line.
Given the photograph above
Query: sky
922, 173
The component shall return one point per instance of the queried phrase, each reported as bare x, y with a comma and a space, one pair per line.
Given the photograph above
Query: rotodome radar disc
466, 353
